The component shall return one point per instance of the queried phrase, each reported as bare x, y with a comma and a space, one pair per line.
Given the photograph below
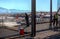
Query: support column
50, 27
33, 18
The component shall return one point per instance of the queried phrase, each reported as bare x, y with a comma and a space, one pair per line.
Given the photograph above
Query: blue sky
58, 4
41, 5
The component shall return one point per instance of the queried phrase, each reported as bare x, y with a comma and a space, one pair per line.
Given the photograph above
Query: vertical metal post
50, 14
33, 18
2, 20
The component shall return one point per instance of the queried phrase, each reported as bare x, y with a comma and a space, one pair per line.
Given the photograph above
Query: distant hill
4, 10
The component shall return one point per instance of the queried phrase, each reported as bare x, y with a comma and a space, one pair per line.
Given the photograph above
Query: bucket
21, 31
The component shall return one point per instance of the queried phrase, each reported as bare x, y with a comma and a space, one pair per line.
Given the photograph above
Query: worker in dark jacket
27, 19
55, 21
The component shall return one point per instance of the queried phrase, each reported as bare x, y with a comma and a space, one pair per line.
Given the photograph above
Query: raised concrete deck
42, 31
6, 33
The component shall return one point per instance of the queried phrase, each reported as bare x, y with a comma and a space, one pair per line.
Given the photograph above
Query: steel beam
50, 14
33, 18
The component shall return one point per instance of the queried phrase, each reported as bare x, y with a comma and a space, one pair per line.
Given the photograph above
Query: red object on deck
22, 31
17, 17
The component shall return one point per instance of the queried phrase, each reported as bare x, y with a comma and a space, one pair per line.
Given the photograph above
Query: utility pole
50, 27
33, 18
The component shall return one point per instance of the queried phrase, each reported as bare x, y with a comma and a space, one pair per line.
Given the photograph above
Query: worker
27, 19
55, 20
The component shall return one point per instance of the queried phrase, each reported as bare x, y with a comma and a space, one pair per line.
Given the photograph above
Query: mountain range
4, 10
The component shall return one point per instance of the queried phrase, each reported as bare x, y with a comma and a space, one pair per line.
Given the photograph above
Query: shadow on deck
57, 36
